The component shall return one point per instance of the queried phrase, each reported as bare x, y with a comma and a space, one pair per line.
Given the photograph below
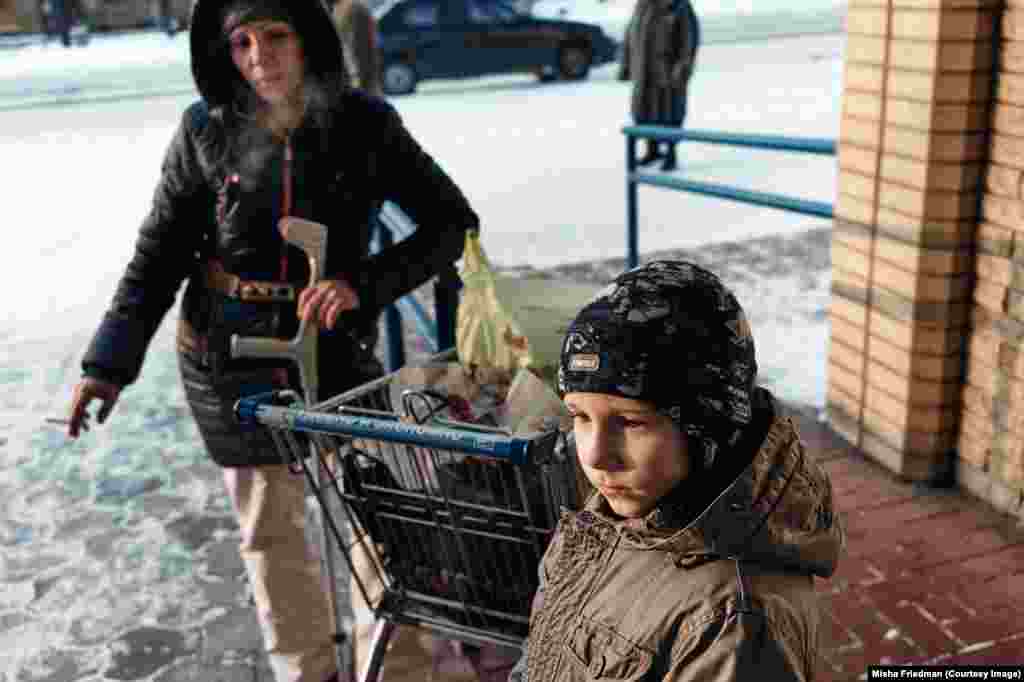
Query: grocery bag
509, 321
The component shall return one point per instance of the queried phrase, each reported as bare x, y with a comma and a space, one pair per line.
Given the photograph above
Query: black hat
669, 333
239, 12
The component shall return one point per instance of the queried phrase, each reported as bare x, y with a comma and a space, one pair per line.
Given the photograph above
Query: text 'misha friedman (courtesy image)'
996, 672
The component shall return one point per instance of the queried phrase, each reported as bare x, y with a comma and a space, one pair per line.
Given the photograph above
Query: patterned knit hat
669, 333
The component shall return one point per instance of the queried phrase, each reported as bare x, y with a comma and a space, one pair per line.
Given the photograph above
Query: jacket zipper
286, 202
281, 374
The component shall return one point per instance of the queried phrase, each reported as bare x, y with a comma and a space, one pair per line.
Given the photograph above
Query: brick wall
925, 315
913, 139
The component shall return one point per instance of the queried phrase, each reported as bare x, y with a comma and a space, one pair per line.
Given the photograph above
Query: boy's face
628, 451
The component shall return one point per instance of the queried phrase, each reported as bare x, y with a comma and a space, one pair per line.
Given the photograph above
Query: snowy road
543, 165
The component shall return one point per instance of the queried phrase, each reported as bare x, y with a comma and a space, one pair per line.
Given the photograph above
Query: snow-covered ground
721, 20
83, 132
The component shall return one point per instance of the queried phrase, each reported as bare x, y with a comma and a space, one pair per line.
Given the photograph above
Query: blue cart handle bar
256, 410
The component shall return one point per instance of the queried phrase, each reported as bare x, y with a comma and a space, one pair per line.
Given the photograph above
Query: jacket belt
249, 290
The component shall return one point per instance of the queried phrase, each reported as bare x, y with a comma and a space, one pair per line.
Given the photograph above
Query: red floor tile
1009, 651
862, 523
930, 541
917, 625
928, 576
988, 625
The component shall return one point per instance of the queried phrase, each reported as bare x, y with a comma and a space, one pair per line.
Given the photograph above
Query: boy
694, 559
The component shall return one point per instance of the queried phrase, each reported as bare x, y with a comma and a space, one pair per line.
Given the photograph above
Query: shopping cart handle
257, 409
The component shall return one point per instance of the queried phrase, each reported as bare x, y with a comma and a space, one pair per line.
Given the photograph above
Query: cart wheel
574, 61
399, 78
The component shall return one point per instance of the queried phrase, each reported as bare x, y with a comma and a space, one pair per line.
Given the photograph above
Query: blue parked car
421, 39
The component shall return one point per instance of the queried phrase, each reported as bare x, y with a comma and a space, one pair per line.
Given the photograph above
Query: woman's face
628, 451
269, 56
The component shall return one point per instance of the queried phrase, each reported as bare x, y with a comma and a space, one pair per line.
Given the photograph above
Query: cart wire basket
442, 523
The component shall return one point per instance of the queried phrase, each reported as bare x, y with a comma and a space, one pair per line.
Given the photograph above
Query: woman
694, 560
278, 132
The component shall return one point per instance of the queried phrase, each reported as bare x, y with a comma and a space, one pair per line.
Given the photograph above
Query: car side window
421, 15
482, 12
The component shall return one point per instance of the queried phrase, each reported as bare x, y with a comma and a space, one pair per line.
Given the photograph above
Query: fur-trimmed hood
215, 74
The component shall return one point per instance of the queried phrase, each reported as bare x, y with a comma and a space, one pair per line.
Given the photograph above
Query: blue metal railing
634, 178
393, 225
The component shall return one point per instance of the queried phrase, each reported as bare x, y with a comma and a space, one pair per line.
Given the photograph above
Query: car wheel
546, 74
574, 61
399, 78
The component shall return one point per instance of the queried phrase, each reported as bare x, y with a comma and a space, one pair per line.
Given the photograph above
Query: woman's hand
86, 390
326, 300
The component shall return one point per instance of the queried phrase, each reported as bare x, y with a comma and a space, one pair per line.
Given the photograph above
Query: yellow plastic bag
512, 322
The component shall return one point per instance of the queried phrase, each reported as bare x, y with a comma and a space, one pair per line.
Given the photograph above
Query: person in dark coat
168, 22
277, 132
358, 29
63, 19
659, 55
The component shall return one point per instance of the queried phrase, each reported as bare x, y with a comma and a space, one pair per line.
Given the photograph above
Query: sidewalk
929, 576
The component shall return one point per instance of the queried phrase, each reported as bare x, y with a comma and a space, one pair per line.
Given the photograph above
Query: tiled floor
930, 576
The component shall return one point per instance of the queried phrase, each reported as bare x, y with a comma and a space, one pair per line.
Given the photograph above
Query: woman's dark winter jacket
220, 197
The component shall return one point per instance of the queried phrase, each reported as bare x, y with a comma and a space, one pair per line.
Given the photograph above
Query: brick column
991, 443
913, 141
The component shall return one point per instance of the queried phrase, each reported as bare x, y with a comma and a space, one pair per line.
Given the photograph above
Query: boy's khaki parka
728, 598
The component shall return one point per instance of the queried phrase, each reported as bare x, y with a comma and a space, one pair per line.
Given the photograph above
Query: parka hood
778, 512
215, 74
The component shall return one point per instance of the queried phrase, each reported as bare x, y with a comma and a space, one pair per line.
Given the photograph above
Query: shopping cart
442, 523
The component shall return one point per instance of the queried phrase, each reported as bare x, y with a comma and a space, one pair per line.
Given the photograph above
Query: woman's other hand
326, 300
86, 390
